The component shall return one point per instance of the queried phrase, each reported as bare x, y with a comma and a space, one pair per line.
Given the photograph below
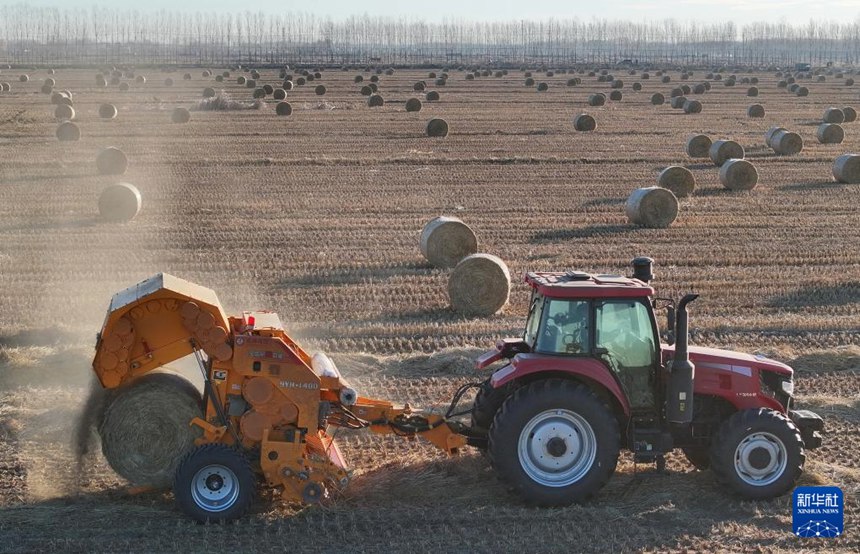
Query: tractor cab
605, 317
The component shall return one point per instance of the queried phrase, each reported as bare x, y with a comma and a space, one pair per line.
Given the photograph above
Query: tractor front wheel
758, 454
214, 483
554, 442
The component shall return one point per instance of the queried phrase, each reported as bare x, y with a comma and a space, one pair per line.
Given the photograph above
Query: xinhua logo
818, 512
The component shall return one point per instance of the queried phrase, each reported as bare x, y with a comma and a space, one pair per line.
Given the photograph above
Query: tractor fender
591, 371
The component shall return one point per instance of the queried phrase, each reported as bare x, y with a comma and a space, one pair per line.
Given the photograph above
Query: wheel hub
760, 459
215, 488
557, 448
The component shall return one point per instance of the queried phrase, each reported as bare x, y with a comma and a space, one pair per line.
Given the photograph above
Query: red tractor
591, 376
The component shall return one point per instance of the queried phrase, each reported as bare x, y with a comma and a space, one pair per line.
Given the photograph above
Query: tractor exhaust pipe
682, 372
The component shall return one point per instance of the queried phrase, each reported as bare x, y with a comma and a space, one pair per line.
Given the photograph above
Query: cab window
564, 327
624, 329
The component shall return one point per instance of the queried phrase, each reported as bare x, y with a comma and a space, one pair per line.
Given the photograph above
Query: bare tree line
38, 35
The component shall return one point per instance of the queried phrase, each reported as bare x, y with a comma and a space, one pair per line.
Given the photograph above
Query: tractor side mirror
670, 325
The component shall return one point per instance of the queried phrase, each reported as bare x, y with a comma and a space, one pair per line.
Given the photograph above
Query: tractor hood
738, 362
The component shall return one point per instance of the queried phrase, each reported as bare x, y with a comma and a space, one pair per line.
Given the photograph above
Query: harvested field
318, 215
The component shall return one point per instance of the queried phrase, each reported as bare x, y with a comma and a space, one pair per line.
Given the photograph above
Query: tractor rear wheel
487, 402
554, 442
758, 454
145, 430
214, 483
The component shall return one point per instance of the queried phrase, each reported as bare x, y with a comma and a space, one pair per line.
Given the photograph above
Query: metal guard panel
588, 369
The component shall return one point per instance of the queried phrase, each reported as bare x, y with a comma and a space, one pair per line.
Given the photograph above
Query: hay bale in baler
678, 179
653, 207
112, 161
830, 133
698, 146
723, 150
447, 240
738, 175
479, 286
145, 431
846, 169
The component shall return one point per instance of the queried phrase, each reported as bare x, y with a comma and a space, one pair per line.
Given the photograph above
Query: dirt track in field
317, 216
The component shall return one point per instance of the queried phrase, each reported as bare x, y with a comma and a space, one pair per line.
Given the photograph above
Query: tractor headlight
788, 387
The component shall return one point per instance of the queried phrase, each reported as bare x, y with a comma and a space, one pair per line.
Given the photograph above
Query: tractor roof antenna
642, 267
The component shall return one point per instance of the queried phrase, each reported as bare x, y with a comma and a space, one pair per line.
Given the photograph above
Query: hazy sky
740, 11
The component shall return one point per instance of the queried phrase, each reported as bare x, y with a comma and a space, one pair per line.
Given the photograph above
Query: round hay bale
768, 136
447, 240
479, 286
209, 92
441, 82
665, 79
432, 96
782, 84
793, 88
366, 90
319, 90
738, 175
251, 83
802, 91
180, 115
833, 115
64, 112
753, 80
646, 76
24, 78
637, 87
596, 99
470, 76
756, 110
686, 89
786, 143
413, 105
356, 79
107, 111
707, 85
678, 102
617, 83
830, 133
219, 78
752, 91
287, 85
241, 80
186, 77
259, 93
168, 82
119, 202
723, 150
542, 87
698, 146
657, 99
140, 79
112, 161
431, 75
679, 180
615, 96
68, 132
419, 86
846, 169
850, 114
653, 207
437, 127
124, 87
145, 431
101, 81
375, 101
269, 89
849, 82
692, 107
279, 94
207, 73
584, 123
572, 82
47, 89
676, 92
56, 97
374, 79
283, 108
